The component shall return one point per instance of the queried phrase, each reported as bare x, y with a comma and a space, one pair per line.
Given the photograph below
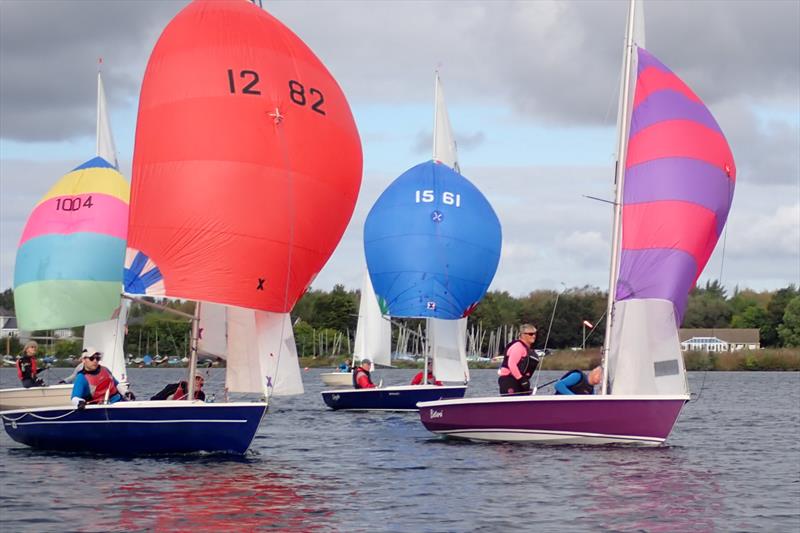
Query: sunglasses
93, 358
531, 333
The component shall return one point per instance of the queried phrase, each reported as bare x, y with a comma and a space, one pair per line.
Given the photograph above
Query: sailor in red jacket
361, 378
431, 378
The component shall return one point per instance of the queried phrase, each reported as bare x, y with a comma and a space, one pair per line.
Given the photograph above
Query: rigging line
702, 386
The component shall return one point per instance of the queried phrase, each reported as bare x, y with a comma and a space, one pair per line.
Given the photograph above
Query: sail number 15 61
428, 196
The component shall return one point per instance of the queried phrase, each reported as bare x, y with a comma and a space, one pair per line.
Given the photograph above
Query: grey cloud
557, 62
48, 61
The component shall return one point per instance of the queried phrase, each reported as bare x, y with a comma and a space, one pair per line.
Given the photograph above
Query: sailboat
373, 337
673, 193
242, 138
84, 215
432, 245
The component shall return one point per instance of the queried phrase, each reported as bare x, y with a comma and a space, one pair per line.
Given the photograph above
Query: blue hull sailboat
225, 211
137, 428
400, 398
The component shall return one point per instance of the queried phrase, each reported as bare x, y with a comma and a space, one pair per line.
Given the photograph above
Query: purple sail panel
681, 179
656, 273
670, 105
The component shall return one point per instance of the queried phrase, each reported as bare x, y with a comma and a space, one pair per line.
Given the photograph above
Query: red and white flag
587, 324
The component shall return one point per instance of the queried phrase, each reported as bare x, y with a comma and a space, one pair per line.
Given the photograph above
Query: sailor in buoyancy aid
94, 382
361, 377
27, 372
519, 363
182, 390
576, 382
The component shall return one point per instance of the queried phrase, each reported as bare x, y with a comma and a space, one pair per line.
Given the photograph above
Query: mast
193, 347
619, 177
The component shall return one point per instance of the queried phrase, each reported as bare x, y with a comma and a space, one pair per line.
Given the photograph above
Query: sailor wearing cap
95, 383
361, 379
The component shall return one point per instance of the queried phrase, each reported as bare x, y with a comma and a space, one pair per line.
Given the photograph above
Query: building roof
729, 335
6, 312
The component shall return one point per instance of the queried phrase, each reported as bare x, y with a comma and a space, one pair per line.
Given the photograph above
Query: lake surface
732, 464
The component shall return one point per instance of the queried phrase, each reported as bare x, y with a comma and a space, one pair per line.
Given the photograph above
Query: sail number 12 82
428, 196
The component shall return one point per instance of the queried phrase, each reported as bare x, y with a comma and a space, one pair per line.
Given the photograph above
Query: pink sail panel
679, 183
247, 162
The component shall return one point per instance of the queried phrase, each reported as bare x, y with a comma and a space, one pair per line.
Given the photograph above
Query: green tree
775, 311
7, 300
789, 330
707, 307
337, 310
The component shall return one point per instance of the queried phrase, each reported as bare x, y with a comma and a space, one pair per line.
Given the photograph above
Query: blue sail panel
432, 243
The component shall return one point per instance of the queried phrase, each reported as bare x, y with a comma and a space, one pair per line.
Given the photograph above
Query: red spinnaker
247, 162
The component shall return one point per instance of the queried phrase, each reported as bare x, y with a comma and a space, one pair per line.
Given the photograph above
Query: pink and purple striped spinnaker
679, 183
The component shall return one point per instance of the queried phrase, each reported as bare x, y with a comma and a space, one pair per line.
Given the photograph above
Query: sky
531, 89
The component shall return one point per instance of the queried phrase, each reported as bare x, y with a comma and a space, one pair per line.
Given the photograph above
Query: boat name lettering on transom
436, 414
260, 284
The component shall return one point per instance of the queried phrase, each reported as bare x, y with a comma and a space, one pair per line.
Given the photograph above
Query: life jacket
183, 394
527, 365
100, 382
355, 376
581, 387
26, 367
419, 379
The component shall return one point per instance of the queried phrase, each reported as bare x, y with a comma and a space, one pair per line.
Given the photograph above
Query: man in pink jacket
519, 363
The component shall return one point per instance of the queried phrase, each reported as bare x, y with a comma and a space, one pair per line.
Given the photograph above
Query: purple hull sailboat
673, 195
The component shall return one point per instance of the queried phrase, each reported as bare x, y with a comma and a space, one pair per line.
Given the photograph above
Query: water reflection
652, 490
218, 497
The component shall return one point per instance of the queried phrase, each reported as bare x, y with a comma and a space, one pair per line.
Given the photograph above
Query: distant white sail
105, 140
373, 331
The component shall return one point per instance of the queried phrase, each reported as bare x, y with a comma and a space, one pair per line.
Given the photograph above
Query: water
732, 464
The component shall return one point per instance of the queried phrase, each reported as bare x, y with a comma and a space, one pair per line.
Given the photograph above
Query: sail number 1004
428, 196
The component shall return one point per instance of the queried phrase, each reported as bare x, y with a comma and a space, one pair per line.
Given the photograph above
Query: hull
22, 398
337, 379
138, 428
404, 398
637, 420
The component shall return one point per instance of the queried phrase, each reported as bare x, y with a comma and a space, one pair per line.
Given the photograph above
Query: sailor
417, 380
519, 363
95, 382
361, 378
576, 382
180, 391
26, 366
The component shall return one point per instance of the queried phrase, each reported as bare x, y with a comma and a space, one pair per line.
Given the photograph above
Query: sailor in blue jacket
576, 382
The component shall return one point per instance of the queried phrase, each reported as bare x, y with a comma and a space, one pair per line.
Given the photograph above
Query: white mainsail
259, 349
447, 339
105, 147
373, 331
108, 336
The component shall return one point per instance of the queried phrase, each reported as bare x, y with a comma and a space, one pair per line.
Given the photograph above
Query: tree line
325, 321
